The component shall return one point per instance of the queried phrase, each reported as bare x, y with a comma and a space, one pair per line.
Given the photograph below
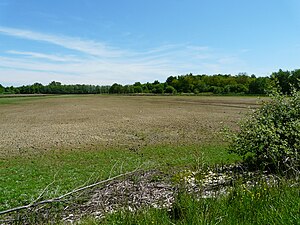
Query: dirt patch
133, 121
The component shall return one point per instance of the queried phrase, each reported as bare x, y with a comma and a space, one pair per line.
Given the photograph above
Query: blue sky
123, 41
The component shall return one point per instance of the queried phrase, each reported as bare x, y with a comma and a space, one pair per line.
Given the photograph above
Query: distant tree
170, 80
175, 84
17, 91
200, 86
37, 88
9, 90
185, 83
216, 90
148, 86
137, 84
260, 86
1, 89
236, 88
295, 79
170, 90
128, 89
137, 89
158, 89
116, 89
283, 80
243, 78
55, 83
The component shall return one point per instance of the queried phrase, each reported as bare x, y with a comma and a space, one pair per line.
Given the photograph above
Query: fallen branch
43, 192
58, 199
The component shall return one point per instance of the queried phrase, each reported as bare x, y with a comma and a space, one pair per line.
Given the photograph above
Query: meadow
54, 144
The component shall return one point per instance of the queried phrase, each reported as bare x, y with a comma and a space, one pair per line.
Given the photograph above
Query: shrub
270, 136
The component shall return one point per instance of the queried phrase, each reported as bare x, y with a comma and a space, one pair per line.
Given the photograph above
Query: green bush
270, 136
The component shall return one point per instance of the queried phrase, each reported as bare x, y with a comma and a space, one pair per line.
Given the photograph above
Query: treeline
216, 84
55, 88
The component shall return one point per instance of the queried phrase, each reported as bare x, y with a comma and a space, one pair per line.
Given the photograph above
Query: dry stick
121, 167
111, 170
65, 195
45, 189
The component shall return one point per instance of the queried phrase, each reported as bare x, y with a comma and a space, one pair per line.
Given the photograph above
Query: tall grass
259, 205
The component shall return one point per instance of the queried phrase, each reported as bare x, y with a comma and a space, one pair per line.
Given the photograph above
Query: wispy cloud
97, 63
85, 46
56, 58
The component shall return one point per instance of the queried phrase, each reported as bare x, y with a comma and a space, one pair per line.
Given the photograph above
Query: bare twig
58, 199
111, 170
43, 192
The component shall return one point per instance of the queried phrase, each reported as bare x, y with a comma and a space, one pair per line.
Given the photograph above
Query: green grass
17, 100
260, 205
23, 178
4, 100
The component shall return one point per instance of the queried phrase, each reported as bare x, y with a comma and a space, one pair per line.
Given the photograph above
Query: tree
170, 80
170, 90
128, 89
55, 83
243, 78
259, 86
137, 89
158, 89
116, 89
137, 84
148, 86
1, 89
185, 83
283, 80
9, 90
295, 79
236, 88
37, 88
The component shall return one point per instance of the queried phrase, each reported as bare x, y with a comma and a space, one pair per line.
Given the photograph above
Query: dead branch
58, 199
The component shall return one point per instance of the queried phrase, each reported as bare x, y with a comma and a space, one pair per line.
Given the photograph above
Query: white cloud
57, 58
85, 46
98, 63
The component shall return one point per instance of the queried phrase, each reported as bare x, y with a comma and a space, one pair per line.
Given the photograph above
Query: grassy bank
259, 205
23, 178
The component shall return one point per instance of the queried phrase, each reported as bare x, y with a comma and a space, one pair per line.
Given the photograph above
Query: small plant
270, 136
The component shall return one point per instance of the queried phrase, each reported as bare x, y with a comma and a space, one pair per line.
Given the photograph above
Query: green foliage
170, 90
243, 205
158, 88
1, 89
270, 137
287, 80
116, 89
259, 86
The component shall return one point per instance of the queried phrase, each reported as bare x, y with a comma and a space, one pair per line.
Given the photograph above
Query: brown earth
121, 121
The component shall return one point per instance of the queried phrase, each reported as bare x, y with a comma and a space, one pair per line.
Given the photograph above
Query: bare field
122, 121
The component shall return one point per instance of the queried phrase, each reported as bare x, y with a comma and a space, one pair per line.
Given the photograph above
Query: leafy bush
270, 136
